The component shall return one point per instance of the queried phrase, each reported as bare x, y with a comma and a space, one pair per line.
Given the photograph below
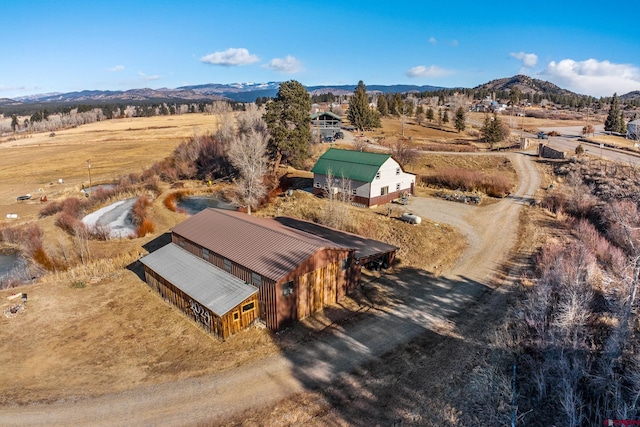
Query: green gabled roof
354, 165
328, 113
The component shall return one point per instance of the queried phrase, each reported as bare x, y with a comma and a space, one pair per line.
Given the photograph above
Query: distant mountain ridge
525, 84
249, 92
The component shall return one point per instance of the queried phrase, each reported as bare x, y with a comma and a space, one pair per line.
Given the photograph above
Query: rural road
423, 302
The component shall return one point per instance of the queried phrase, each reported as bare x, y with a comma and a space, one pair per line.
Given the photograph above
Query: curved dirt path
423, 303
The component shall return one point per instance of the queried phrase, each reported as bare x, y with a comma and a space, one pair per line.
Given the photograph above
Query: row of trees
44, 120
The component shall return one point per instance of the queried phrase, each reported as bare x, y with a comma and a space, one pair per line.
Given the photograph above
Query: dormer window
378, 175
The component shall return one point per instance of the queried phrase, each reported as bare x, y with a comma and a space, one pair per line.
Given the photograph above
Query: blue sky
66, 46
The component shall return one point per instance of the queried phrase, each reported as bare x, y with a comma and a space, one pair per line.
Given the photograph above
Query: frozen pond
116, 217
10, 263
194, 204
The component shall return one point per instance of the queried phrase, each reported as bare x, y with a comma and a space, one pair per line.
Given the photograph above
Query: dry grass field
34, 164
98, 328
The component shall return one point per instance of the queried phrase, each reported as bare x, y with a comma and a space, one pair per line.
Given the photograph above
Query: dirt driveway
422, 303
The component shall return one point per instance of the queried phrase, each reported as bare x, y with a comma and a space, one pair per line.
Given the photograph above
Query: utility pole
403, 107
89, 169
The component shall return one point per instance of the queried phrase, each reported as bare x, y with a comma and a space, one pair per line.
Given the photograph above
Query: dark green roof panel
354, 165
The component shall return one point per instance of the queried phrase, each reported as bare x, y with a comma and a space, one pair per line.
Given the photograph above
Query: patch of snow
116, 217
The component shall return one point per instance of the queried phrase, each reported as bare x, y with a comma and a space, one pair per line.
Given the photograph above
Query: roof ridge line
222, 211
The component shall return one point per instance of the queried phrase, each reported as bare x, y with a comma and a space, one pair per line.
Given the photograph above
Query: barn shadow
136, 267
384, 366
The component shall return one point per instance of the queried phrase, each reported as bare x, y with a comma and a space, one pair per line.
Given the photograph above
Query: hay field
34, 163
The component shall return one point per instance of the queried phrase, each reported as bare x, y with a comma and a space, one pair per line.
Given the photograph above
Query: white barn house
375, 178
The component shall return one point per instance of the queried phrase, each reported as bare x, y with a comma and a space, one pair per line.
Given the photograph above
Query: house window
384, 190
205, 253
181, 243
318, 184
397, 171
248, 307
398, 187
287, 288
227, 265
345, 263
378, 175
354, 191
236, 316
256, 279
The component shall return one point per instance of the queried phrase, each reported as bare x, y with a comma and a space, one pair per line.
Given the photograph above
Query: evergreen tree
288, 120
445, 117
407, 108
14, 122
612, 122
430, 114
492, 130
359, 114
460, 120
383, 107
623, 124
419, 110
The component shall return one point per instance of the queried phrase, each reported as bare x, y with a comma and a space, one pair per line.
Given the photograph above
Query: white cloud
116, 68
287, 65
422, 71
148, 78
593, 77
432, 40
230, 57
529, 60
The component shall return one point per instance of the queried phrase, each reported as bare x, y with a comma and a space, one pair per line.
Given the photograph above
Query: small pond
10, 262
116, 216
194, 204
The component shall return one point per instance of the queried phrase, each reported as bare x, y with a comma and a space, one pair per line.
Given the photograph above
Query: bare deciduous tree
338, 195
247, 153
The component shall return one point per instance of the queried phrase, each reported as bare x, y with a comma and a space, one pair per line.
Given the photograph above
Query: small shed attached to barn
221, 303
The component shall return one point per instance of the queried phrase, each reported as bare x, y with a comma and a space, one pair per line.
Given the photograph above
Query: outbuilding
237, 267
374, 178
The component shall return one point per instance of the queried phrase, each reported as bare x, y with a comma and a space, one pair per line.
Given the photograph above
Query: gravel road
424, 302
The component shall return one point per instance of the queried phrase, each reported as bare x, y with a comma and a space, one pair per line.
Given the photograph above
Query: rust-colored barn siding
278, 310
222, 326
317, 282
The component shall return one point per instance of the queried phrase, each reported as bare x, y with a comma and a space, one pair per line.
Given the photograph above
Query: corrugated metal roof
212, 287
262, 245
354, 165
364, 247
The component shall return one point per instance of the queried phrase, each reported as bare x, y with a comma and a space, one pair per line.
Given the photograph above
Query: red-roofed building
297, 267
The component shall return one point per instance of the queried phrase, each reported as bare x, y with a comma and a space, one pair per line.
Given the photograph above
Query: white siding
389, 178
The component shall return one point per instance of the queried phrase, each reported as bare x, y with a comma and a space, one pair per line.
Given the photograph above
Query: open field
98, 329
117, 147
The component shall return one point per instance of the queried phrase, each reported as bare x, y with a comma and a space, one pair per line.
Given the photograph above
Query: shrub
144, 228
469, 180
51, 208
69, 223
139, 210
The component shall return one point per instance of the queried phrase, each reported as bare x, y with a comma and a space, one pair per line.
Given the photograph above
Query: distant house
375, 178
325, 124
224, 269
